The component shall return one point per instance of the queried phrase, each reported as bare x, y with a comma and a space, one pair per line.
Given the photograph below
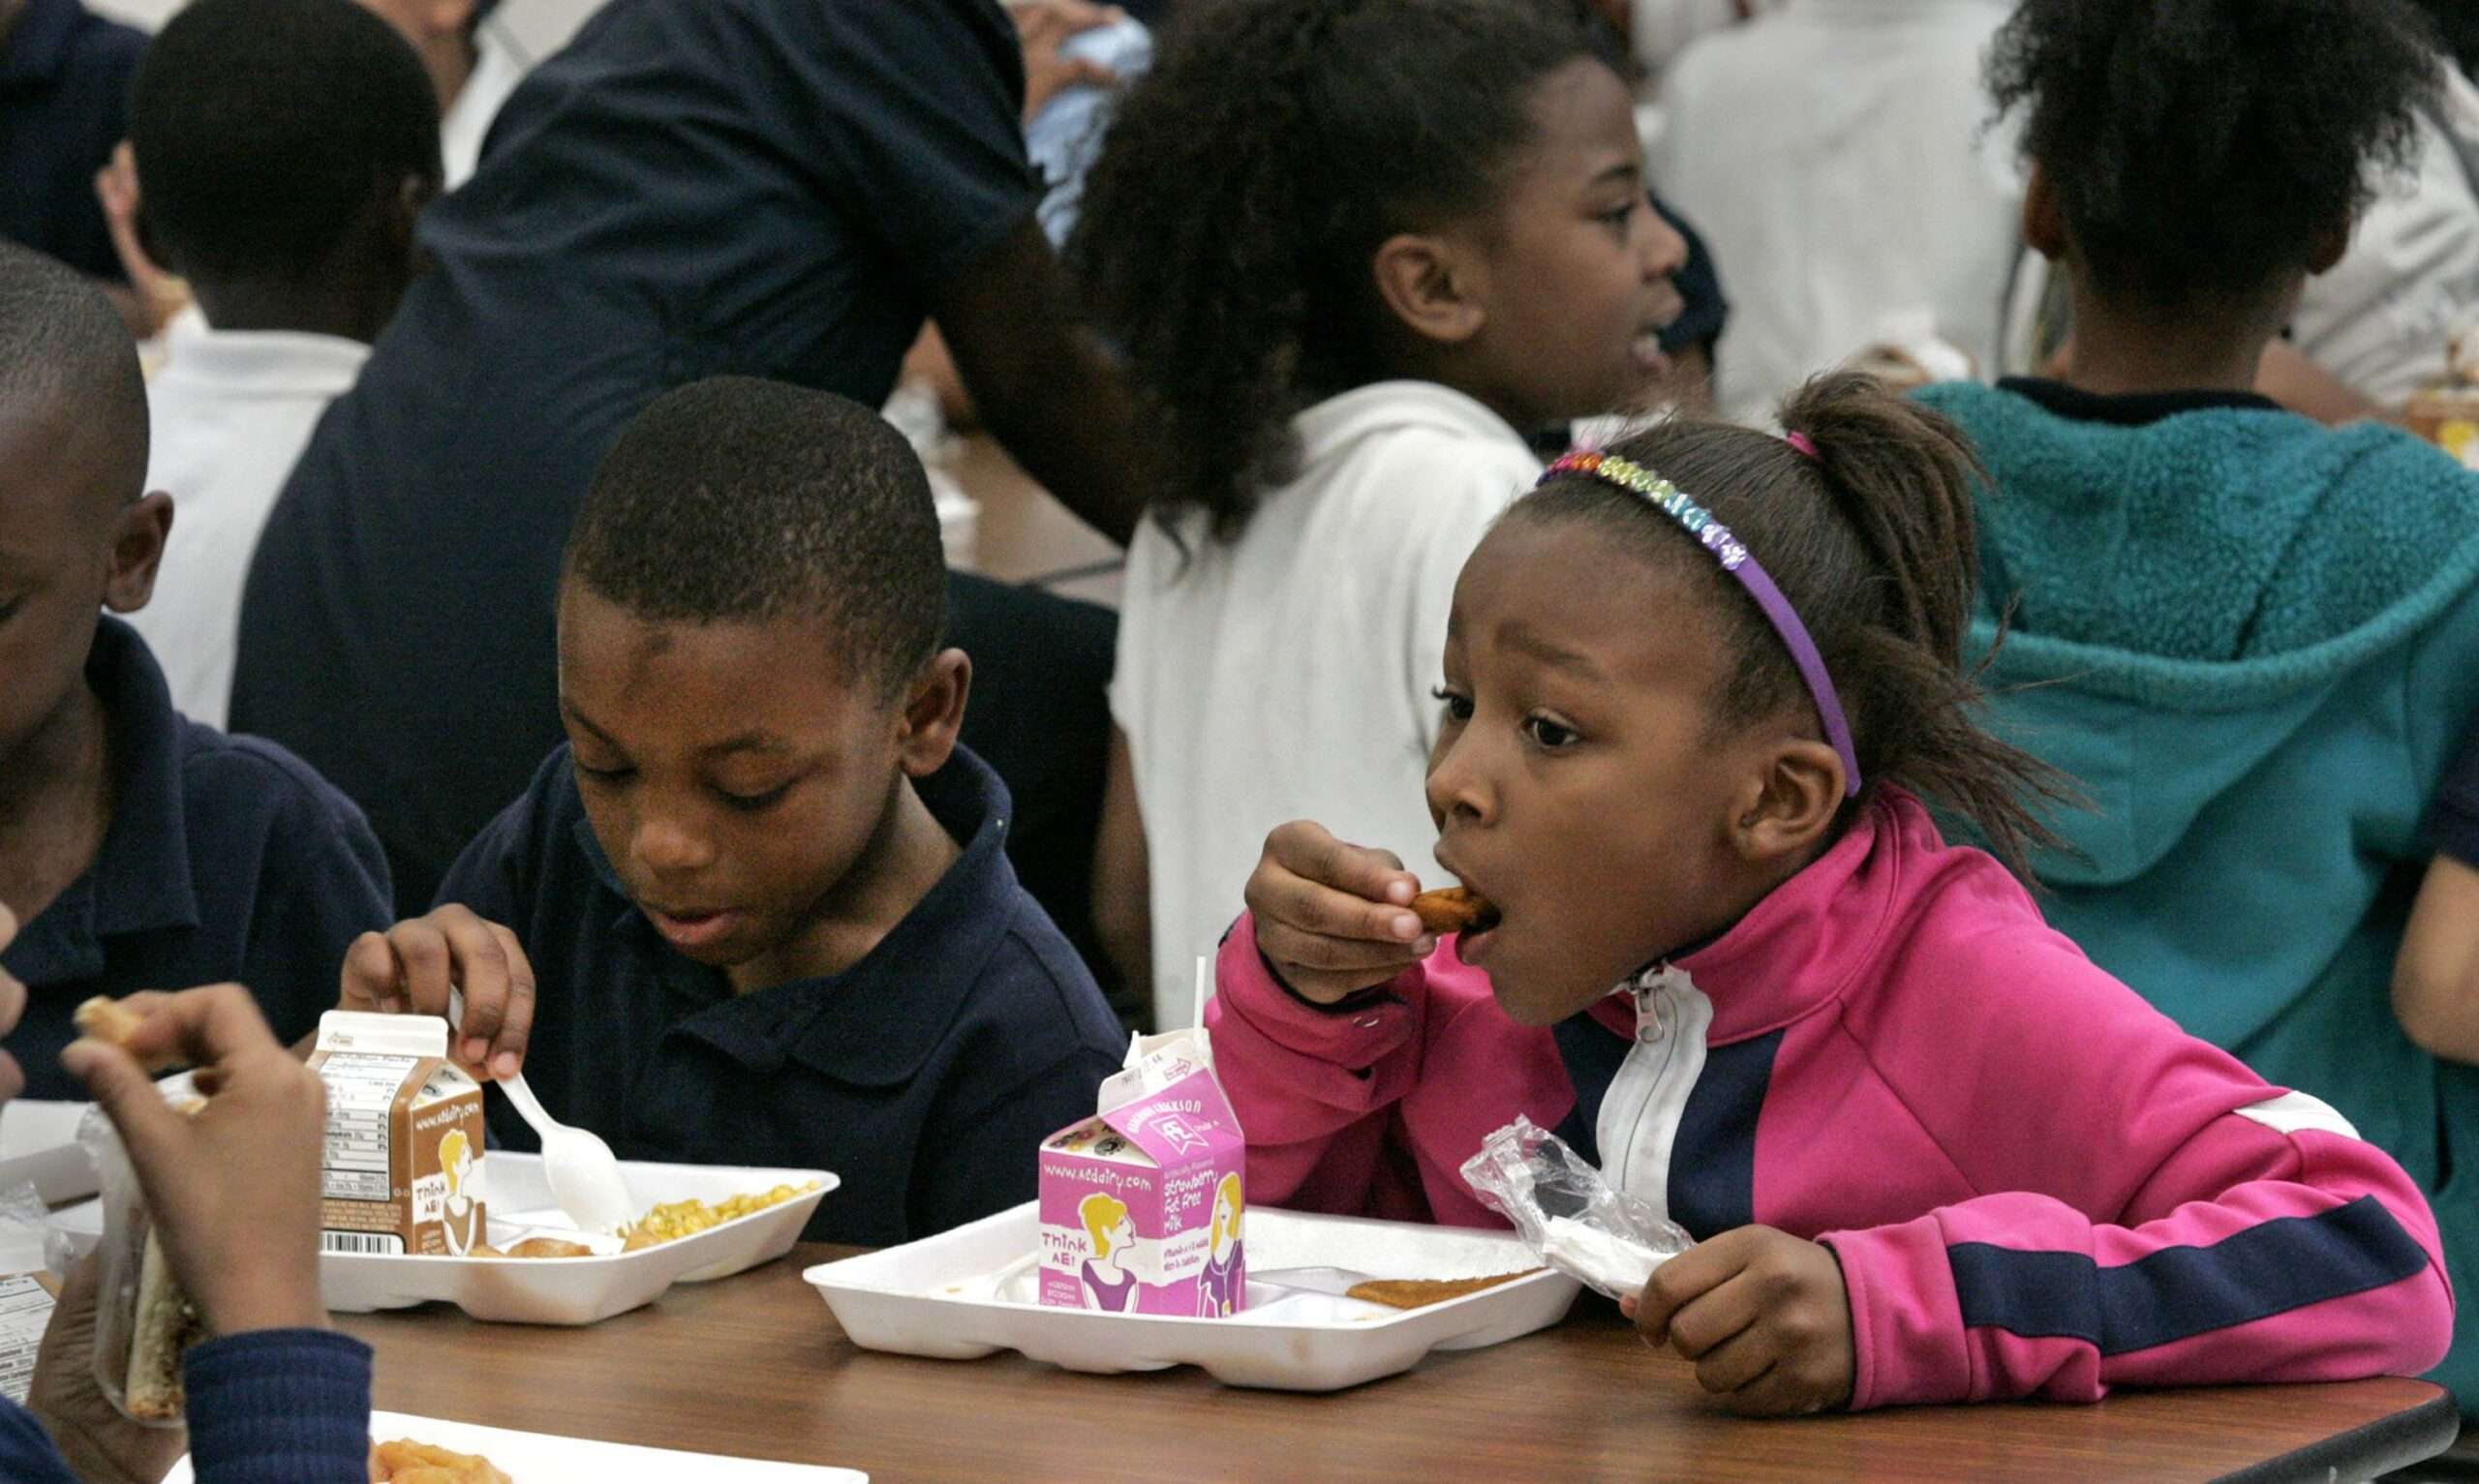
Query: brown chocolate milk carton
403, 1167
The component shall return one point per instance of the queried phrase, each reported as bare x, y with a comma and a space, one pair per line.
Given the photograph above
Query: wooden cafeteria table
755, 1366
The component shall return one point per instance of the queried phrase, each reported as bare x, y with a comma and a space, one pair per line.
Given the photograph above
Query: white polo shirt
231, 413
1289, 673
1838, 159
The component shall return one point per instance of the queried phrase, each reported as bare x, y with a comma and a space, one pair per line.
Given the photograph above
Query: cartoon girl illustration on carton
461, 1220
1223, 1289
1106, 1286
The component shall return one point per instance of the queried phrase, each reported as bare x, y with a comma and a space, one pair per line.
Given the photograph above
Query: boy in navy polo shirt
145, 851
757, 910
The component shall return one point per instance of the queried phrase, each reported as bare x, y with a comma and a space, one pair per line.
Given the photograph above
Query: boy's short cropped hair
64, 348
263, 128
2200, 148
740, 500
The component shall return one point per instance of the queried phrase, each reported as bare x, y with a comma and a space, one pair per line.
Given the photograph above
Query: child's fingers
1736, 1361
128, 1096
481, 964
1085, 72
371, 976
424, 966
516, 1023
1715, 1318
205, 1027
1288, 945
1782, 1390
1684, 1279
1305, 906
1308, 850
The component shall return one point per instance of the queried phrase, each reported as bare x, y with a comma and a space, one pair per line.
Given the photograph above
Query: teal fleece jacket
2254, 644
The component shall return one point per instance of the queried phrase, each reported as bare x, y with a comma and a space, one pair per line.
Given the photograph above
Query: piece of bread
112, 1022
549, 1247
1420, 1292
1454, 909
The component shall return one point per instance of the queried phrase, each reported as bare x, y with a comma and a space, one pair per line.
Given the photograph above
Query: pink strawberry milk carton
1140, 1203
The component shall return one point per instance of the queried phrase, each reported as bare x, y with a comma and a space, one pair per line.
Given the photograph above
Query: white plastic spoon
582, 1171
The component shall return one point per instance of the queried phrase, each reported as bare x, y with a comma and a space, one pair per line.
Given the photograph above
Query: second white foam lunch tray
540, 1458
967, 1293
580, 1290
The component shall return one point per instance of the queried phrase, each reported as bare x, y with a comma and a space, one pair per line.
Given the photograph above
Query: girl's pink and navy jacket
2036, 1184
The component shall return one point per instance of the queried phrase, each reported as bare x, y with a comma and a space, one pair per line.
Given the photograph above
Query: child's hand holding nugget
1763, 1315
407, 970
1333, 918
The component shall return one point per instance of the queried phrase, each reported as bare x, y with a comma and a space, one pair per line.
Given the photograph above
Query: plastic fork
582, 1171
1335, 1281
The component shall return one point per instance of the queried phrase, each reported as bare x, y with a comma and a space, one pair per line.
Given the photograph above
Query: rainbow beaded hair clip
1736, 560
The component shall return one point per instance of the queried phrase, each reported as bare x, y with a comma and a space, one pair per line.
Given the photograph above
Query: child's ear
2043, 223
1793, 804
2328, 246
394, 217
1430, 285
139, 533
934, 713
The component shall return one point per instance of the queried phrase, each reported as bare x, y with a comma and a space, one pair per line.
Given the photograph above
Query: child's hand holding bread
233, 1187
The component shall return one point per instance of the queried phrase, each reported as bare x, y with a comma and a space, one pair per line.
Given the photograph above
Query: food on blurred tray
2447, 413
537, 1247
1454, 909
406, 1462
670, 1222
1420, 1292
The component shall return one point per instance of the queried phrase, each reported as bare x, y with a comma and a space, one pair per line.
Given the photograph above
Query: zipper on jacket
1660, 1067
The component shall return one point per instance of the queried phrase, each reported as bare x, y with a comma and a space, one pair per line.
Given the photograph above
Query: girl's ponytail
1901, 476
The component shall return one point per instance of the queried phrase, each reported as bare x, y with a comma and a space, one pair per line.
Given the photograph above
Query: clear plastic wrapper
1570, 1214
142, 1320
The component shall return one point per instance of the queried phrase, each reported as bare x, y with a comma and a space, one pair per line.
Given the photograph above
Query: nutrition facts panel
25, 1309
361, 1094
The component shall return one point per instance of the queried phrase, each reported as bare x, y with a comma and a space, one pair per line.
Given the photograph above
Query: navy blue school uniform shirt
690, 188
64, 105
924, 1075
226, 858
2454, 818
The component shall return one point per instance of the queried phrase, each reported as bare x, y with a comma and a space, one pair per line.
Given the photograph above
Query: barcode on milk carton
362, 1243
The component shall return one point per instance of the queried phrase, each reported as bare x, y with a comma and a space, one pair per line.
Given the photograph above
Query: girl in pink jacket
1930, 1152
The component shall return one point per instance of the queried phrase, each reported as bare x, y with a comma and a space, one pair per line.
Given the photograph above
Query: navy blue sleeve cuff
280, 1407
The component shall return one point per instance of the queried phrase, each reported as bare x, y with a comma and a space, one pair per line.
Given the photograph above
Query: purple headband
1737, 560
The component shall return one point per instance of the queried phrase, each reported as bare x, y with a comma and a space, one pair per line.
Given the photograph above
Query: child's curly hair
2198, 149
1874, 543
1228, 228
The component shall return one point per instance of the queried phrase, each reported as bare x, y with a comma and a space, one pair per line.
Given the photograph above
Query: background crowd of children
1999, 862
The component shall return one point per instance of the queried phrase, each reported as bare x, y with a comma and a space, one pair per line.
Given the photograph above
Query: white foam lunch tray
580, 1290
542, 1458
934, 1297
